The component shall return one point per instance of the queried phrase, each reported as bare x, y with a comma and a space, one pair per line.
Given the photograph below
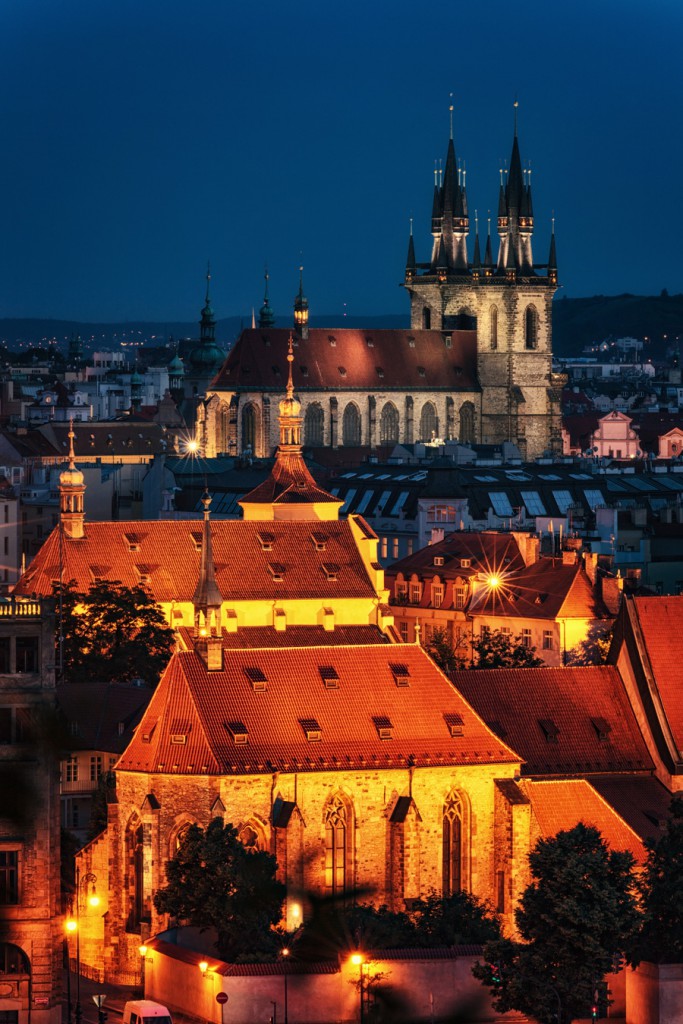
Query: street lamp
358, 960
143, 959
69, 927
285, 954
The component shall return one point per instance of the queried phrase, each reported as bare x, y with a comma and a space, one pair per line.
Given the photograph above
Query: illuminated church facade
475, 365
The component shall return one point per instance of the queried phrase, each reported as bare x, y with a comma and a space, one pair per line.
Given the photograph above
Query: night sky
142, 138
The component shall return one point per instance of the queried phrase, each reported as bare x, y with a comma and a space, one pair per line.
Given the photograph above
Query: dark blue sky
142, 137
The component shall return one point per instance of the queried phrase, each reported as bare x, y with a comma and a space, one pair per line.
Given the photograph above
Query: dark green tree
448, 656
495, 649
215, 882
578, 918
453, 920
661, 937
111, 634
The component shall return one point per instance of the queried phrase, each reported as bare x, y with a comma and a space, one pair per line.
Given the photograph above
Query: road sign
222, 997
99, 1000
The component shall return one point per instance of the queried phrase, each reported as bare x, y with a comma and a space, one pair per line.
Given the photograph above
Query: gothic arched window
467, 423
351, 425
135, 874
494, 327
452, 880
428, 422
252, 836
314, 426
223, 429
251, 423
388, 424
531, 327
338, 825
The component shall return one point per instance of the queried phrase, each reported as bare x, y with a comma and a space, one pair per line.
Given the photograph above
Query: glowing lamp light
142, 950
71, 925
203, 631
192, 445
357, 959
94, 899
285, 951
203, 967
493, 581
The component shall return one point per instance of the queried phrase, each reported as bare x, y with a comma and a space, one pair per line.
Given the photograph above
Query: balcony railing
15, 608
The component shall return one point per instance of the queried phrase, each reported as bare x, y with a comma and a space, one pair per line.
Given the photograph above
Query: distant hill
576, 323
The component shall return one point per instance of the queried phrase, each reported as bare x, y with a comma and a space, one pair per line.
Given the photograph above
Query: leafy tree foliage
113, 634
578, 917
215, 882
448, 656
453, 920
661, 936
495, 649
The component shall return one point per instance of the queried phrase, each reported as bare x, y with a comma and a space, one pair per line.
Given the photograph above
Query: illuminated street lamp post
143, 958
358, 960
70, 928
285, 955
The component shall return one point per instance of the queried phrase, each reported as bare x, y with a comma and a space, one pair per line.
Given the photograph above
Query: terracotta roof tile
294, 691
660, 620
570, 698
643, 802
408, 359
548, 589
559, 805
251, 637
168, 548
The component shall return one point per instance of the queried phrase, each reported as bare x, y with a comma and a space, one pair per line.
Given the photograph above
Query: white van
144, 1011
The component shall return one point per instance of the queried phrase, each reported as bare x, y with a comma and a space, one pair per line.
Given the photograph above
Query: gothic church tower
509, 302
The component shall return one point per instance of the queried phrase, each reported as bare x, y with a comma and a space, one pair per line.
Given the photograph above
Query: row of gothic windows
338, 822
530, 326
314, 425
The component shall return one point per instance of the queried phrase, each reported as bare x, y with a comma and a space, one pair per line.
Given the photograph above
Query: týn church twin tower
475, 365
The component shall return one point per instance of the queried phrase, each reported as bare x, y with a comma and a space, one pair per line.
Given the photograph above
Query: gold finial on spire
489, 221
516, 106
436, 174
476, 221
71, 436
290, 360
411, 225
440, 174
450, 110
464, 174
501, 177
552, 221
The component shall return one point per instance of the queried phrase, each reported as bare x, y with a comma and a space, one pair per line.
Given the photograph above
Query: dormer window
550, 730
421, 371
380, 371
256, 677
134, 540
311, 729
319, 541
239, 733
303, 370
266, 540
331, 570
455, 723
277, 571
465, 563
602, 728
196, 539
400, 673
342, 371
332, 340
384, 727
369, 342
438, 559
329, 676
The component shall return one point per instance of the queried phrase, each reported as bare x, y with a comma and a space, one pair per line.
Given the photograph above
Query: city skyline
140, 143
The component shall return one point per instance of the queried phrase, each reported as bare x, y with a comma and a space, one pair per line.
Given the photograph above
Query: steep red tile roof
548, 589
642, 801
578, 701
559, 805
290, 482
486, 552
270, 693
251, 637
345, 359
102, 716
661, 622
168, 551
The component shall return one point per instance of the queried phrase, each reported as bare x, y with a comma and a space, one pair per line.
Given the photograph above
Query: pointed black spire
301, 308
488, 255
207, 597
266, 317
552, 256
410, 260
207, 324
442, 259
476, 259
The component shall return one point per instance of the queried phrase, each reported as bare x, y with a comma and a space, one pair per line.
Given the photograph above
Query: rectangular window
437, 595
547, 639
403, 630
401, 591
564, 500
383, 547
7, 545
526, 638
72, 769
9, 878
501, 503
394, 548
27, 653
5, 646
409, 546
460, 599
532, 503
95, 767
415, 593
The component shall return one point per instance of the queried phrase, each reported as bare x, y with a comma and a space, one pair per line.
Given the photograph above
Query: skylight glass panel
383, 499
384, 476
400, 502
532, 503
419, 476
364, 502
594, 498
517, 475
487, 479
579, 476
563, 499
349, 496
501, 503
549, 476
640, 483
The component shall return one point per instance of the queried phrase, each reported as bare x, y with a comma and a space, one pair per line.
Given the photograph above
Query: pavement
116, 996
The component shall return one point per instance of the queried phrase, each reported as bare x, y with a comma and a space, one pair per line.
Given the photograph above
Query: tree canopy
112, 634
578, 918
489, 649
216, 882
660, 939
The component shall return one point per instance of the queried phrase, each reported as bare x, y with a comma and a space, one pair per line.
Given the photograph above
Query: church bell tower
508, 303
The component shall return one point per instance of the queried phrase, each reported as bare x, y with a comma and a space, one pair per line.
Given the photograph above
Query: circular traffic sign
222, 997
